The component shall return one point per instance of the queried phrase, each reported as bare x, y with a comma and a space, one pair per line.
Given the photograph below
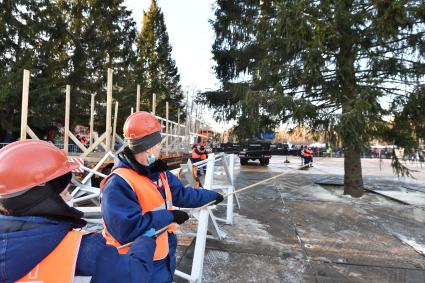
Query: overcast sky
191, 37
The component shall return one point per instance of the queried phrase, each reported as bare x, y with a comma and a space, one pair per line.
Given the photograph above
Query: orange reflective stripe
203, 154
150, 199
195, 155
59, 265
168, 195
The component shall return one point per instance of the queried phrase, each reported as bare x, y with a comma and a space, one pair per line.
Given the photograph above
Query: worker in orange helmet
308, 156
38, 237
140, 193
195, 155
203, 154
203, 151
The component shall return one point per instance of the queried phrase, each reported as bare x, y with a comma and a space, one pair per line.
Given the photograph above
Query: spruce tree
241, 28
156, 70
10, 41
64, 42
103, 35
327, 64
33, 38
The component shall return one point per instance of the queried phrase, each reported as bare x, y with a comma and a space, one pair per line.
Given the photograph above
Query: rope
192, 211
156, 234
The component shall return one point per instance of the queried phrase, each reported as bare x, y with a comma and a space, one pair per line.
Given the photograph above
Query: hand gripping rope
151, 232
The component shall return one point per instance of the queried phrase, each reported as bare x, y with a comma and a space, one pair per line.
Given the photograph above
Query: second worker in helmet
140, 192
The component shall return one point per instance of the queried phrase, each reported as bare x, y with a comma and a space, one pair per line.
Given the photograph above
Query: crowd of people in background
54, 135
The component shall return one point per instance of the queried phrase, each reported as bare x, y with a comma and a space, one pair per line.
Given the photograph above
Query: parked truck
255, 150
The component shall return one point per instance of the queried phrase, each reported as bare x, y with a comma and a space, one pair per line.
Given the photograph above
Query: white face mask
151, 159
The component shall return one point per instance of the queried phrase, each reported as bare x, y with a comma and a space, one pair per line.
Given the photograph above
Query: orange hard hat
141, 124
29, 163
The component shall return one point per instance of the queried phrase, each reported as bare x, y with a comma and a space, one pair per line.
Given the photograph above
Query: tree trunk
353, 180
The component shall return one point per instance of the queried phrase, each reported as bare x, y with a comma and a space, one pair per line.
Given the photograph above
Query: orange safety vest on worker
150, 199
308, 152
59, 265
194, 154
203, 154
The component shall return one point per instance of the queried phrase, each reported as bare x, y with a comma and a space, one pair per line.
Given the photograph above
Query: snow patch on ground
246, 228
420, 248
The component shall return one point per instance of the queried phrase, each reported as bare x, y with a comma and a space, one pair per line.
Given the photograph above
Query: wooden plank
108, 127
94, 145
24, 108
166, 127
66, 126
77, 142
31, 133
153, 103
115, 125
137, 100
93, 95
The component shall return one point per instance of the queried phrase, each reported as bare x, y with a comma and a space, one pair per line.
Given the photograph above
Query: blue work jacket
122, 215
26, 240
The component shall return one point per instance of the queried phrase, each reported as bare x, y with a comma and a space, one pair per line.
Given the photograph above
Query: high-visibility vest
203, 154
59, 265
150, 199
195, 155
308, 152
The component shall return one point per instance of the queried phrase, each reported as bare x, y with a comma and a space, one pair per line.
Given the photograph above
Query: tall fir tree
103, 36
11, 59
34, 39
241, 28
156, 70
64, 42
326, 64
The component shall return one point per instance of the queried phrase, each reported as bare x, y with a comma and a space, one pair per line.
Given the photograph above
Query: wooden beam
31, 133
93, 95
108, 128
153, 103
66, 126
94, 145
137, 100
166, 126
179, 141
77, 142
115, 125
24, 108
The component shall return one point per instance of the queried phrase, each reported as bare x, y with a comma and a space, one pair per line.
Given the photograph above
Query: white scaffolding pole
198, 256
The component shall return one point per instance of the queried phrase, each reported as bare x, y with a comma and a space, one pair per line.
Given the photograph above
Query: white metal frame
85, 192
206, 214
228, 162
201, 234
